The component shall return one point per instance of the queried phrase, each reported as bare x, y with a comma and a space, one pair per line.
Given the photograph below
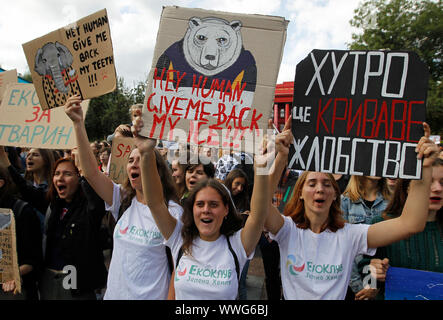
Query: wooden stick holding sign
76, 59
359, 113
8, 249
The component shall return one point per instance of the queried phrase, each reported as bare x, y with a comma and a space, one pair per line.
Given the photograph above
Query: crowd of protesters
206, 215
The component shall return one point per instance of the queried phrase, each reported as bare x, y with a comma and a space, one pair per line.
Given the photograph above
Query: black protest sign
359, 113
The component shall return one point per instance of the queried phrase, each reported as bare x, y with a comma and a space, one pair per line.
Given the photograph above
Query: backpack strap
121, 210
17, 208
169, 256
179, 256
237, 265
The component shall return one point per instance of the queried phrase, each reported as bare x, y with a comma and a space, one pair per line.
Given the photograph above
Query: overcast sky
314, 24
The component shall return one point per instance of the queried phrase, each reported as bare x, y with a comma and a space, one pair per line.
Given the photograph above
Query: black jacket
80, 241
29, 244
35, 196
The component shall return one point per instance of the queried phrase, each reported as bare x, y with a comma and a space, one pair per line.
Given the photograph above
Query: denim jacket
358, 212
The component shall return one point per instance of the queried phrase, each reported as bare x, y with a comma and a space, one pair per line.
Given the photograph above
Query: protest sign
8, 249
121, 149
6, 78
76, 59
409, 284
213, 77
23, 123
359, 113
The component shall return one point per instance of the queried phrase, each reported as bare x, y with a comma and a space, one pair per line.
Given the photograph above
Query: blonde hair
355, 189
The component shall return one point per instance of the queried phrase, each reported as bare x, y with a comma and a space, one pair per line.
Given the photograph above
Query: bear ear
194, 22
236, 25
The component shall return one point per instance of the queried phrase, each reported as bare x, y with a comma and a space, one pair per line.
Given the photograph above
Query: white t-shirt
318, 266
139, 266
209, 274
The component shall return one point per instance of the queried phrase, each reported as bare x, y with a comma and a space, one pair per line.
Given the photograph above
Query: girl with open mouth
72, 236
208, 244
72, 220
37, 179
39, 165
139, 268
422, 251
317, 247
198, 168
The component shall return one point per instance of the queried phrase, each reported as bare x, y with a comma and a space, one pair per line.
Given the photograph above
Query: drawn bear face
212, 45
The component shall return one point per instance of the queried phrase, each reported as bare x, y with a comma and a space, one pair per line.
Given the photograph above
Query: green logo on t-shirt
323, 271
207, 275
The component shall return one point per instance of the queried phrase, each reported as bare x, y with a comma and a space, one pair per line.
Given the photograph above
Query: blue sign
409, 284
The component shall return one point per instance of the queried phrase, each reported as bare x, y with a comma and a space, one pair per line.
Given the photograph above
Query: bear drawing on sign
59, 80
210, 56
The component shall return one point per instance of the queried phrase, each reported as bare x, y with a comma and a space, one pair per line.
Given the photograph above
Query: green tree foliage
106, 112
27, 76
406, 25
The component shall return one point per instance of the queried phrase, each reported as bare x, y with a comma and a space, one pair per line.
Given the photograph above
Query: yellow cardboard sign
23, 123
76, 59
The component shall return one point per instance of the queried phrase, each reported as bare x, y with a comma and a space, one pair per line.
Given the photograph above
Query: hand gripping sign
8, 249
359, 113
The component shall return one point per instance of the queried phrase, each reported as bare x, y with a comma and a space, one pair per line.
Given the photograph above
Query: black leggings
271, 263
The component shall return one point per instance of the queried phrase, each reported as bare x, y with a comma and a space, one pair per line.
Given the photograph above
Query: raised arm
261, 195
281, 159
102, 184
415, 212
152, 185
274, 220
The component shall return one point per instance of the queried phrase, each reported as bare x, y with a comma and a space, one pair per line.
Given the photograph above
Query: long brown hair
48, 166
231, 223
241, 200
168, 184
296, 207
52, 192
